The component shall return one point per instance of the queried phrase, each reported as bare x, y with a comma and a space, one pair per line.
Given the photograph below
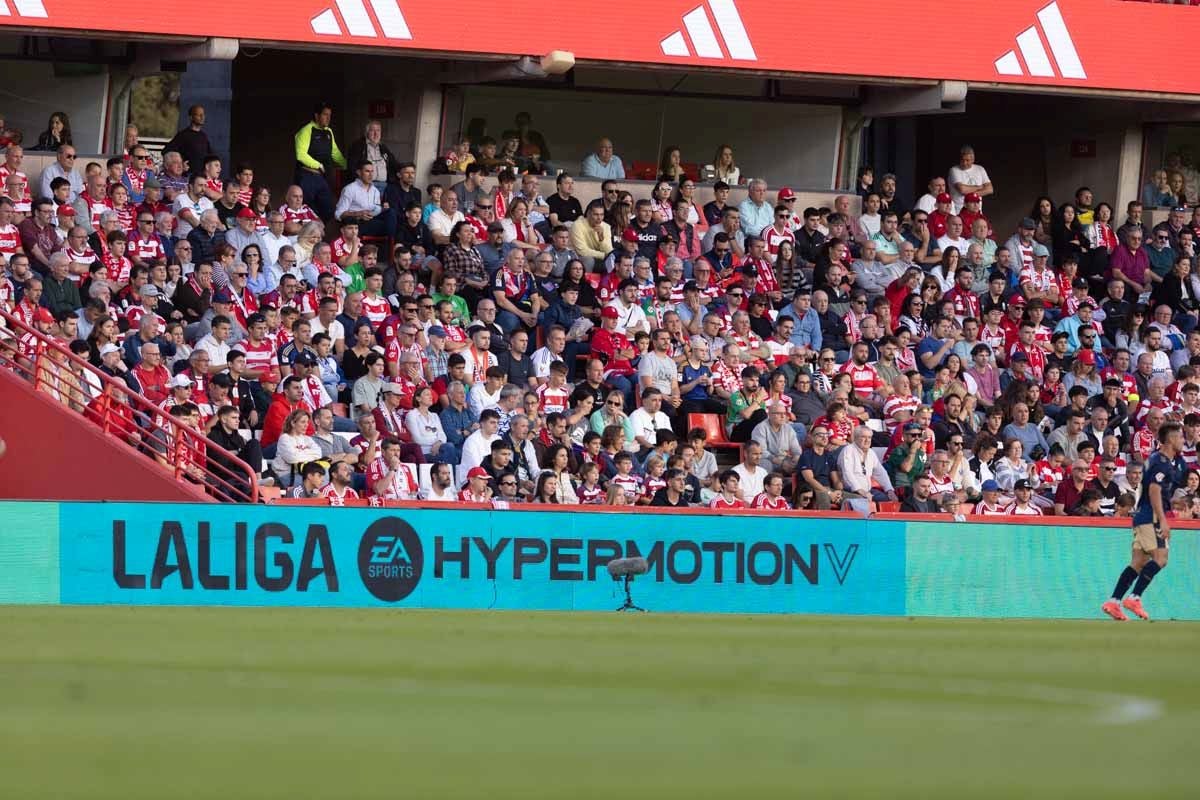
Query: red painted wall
55, 454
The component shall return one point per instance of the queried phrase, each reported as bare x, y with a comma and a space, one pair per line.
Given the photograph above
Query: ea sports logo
390, 559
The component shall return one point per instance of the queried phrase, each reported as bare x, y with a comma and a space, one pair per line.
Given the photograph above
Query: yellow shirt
587, 241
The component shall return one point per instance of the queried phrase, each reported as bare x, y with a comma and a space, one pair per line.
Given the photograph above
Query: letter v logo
841, 563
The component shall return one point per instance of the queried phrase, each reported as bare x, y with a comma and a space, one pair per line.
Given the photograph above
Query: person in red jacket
285, 402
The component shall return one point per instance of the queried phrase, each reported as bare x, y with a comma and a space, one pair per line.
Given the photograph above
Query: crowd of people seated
530, 348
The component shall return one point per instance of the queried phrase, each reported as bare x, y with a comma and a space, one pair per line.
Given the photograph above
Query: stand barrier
431, 556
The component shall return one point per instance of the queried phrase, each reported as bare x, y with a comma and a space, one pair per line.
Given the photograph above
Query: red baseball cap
43, 315
65, 211
973, 198
477, 472
943, 198
1087, 356
246, 213
786, 194
608, 312
629, 235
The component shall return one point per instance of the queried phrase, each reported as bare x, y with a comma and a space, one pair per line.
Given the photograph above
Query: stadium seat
712, 425
887, 507
875, 424
642, 171
340, 409
424, 476
270, 494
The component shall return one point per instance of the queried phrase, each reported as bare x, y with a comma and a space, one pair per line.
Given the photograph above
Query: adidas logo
1039, 63
358, 20
25, 8
705, 40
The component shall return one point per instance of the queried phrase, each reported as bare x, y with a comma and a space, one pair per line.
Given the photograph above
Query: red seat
712, 426
888, 507
643, 171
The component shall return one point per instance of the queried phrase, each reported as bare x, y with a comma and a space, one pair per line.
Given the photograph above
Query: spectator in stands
371, 148
191, 143
317, 154
603, 163
296, 448
920, 501
778, 439
63, 167
755, 212
39, 240
858, 467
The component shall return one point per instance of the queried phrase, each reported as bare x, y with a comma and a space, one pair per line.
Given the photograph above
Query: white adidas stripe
25, 8
705, 41
1039, 63
358, 21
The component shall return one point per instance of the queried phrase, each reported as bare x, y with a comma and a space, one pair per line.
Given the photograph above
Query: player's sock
1148, 573
1124, 582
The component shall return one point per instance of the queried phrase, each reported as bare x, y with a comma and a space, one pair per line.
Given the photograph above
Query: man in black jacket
918, 500
229, 441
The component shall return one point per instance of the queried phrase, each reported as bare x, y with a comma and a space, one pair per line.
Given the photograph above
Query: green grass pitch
290, 703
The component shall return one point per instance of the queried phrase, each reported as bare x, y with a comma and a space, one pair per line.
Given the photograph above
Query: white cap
109, 348
180, 380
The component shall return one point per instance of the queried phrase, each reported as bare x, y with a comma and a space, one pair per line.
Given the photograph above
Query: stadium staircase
120, 446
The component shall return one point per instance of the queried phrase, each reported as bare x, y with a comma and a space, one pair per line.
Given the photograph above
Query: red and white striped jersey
773, 238
986, 509
116, 268
10, 239
864, 378
336, 498
894, 408
551, 400
763, 500
376, 310
302, 214
720, 503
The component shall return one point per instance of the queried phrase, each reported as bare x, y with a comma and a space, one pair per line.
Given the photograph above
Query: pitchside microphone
623, 569
620, 567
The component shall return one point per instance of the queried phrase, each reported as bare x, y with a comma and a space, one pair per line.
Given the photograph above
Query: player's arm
1156, 503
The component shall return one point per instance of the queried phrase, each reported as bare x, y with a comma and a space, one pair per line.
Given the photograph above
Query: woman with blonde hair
726, 169
295, 449
309, 237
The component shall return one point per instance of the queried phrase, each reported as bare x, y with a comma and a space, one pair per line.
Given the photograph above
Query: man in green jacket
60, 293
317, 154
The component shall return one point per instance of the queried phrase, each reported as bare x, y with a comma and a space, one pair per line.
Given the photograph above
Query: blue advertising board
208, 554
456, 558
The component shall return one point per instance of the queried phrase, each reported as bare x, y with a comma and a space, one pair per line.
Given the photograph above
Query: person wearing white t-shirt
870, 219
189, 205
968, 177
928, 201
954, 236
648, 419
748, 470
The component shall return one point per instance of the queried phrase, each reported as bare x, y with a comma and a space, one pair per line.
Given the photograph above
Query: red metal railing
123, 414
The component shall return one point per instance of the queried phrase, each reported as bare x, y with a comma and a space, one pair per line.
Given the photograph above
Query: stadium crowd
534, 349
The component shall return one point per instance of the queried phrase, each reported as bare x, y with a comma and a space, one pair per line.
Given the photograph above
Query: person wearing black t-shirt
564, 209
671, 495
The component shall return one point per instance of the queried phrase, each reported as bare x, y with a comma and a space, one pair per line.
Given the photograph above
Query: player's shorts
1146, 538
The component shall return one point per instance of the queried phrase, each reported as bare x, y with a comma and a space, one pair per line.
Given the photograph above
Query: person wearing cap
1022, 505
110, 361
244, 232
937, 219
476, 489
971, 212
991, 505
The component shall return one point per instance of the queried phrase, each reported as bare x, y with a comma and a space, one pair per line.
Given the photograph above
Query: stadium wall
422, 557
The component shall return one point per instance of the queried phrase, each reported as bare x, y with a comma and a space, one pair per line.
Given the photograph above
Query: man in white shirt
274, 239
858, 464
630, 316
486, 394
750, 473
647, 420
928, 201
189, 205
360, 202
967, 178
442, 221
441, 485
954, 237
478, 445
215, 344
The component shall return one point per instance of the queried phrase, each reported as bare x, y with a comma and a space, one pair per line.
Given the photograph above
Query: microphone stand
628, 605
